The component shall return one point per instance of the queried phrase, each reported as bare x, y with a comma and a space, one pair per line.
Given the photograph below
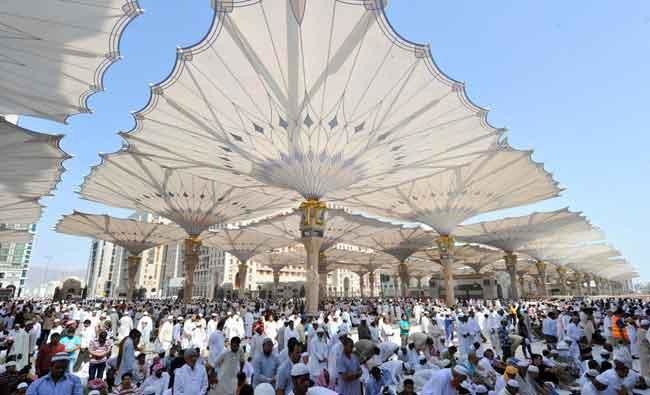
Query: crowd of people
248, 346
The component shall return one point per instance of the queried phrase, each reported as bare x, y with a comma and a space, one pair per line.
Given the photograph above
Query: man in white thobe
165, 337
318, 351
125, 326
191, 378
228, 366
445, 381
145, 326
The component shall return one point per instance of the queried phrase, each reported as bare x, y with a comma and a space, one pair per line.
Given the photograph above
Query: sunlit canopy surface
31, 165
399, 241
132, 235
194, 203
319, 97
497, 180
510, 234
14, 236
55, 53
244, 243
341, 227
475, 257
339, 257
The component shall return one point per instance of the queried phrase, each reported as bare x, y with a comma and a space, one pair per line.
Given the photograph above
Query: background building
14, 261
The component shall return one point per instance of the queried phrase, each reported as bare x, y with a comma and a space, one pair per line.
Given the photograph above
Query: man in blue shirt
58, 381
284, 384
379, 380
265, 365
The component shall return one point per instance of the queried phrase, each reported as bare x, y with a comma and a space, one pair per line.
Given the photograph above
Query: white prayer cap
533, 369
480, 389
299, 369
562, 346
22, 385
171, 317
645, 322
10, 363
513, 383
94, 392
264, 389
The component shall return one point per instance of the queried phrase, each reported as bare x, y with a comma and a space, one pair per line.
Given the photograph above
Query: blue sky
567, 78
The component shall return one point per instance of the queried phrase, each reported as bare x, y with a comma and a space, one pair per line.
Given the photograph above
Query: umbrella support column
511, 266
133, 264
312, 229
192, 248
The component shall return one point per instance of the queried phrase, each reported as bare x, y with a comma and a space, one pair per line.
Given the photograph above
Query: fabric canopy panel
15, 236
322, 98
244, 243
31, 165
473, 257
132, 235
55, 53
193, 203
341, 227
399, 241
510, 234
340, 257
496, 180
18, 210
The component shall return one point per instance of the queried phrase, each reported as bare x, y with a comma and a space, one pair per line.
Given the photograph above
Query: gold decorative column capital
313, 219
192, 245
445, 244
511, 261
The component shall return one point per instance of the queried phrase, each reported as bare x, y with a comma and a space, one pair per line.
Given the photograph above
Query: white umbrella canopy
341, 227
15, 236
55, 53
194, 203
474, 257
496, 180
19, 210
244, 243
134, 236
511, 234
31, 165
398, 241
322, 98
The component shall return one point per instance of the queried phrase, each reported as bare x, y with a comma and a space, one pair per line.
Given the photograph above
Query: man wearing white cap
445, 381
165, 333
145, 326
318, 350
58, 381
191, 378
